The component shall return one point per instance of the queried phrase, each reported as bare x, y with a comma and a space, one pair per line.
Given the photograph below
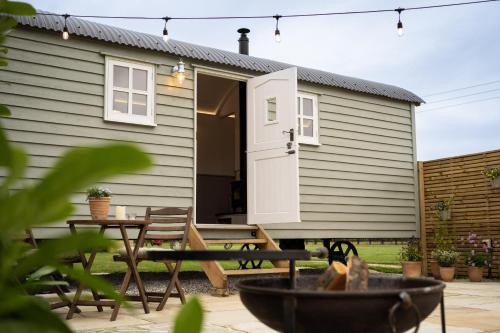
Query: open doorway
221, 147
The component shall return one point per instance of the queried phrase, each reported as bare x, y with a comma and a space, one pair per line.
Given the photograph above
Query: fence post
423, 235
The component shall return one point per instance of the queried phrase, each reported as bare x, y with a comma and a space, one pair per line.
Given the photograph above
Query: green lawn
373, 254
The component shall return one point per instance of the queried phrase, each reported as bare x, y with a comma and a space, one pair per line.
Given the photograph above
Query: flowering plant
98, 192
445, 258
474, 257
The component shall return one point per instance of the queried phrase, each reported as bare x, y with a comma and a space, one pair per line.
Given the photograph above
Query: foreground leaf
4, 111
83, 167
17, 8
190, 317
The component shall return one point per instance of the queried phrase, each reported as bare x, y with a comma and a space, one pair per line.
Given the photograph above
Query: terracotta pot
99, 208
412, 268
475, 274
447, 273
435, 269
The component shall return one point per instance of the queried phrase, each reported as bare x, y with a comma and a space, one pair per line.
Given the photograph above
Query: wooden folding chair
170, 224
56, 276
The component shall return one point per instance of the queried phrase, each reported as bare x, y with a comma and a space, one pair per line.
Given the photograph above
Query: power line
463, 88
459, 104
462, 96
387, 10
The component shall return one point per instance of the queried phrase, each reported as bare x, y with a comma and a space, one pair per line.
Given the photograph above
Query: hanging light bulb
400, 24
65, 32
277, 35
165, 31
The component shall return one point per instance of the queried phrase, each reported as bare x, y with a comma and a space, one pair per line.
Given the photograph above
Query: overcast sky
441, 50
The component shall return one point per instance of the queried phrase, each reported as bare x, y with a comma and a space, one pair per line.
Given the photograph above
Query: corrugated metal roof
121, 36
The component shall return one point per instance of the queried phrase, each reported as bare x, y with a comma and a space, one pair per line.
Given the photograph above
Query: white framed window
308, 119
129, 92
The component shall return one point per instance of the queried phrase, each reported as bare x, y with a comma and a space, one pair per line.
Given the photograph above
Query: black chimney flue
243, 41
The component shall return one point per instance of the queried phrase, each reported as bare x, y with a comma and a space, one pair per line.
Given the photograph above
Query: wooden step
253, 271
236, 241
244, 227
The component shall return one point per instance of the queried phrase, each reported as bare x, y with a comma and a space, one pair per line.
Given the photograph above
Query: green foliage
492, 173
190, 317
411, 251
445, 258
23, 270
475, 259
98, 192
48, 201
442, 237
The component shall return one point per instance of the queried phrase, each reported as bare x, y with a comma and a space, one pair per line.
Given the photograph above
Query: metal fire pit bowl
391, 304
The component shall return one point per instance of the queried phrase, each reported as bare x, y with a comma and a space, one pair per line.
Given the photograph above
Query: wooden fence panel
475, 207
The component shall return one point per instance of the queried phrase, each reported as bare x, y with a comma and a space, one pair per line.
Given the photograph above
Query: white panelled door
272, 149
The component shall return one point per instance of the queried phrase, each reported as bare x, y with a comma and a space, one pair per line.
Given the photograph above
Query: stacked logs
338, 277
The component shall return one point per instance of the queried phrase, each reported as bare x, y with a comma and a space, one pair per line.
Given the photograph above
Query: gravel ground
193, 282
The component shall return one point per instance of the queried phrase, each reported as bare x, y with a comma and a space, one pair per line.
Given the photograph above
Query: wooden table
122, 225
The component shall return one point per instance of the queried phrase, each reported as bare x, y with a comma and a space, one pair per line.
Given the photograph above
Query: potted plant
446, 259
441, 241
434, 264
494, 175
99, 199
411, 258
475, 260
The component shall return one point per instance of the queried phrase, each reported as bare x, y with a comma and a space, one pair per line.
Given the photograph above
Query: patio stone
470, 308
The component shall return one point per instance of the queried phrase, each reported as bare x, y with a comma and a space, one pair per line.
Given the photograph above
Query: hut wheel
340, 250
244, 264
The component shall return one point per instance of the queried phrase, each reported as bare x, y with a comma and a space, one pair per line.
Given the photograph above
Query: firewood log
334, 278
357, 274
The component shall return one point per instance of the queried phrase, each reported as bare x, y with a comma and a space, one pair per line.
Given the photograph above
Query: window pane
298, 126
120, 101
271, 109
140, 79
308, 127
139, 104
298, 105
307, 107
120, 76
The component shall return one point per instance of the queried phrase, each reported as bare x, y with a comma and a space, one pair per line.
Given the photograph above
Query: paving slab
470, 308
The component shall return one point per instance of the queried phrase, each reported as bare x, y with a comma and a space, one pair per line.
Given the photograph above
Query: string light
277, 35
165, 31
400, 24
65, 32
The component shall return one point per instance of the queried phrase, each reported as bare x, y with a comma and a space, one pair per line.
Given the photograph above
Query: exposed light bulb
400, 29
277, 36
65, 34
165, 31
65, 31
400, 24
165, 35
